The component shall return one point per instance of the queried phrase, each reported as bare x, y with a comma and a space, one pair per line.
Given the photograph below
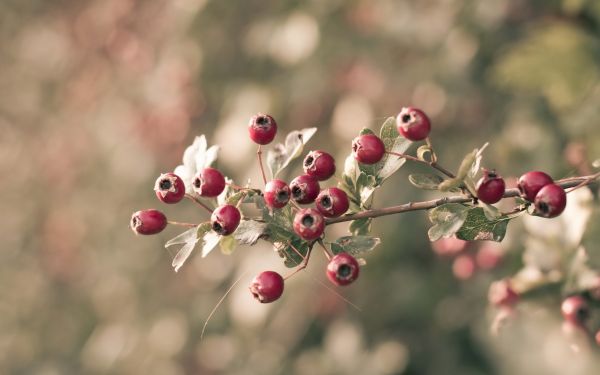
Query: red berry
267, 286
277, 194
332, 202
550, 201
304, 189
319, 164
531, 182
309, 224
148, 222
209, 182
225, 219
169, 188
490, 188
262, 128
501, 293
368, 148
413, 124
575, 310
342, 269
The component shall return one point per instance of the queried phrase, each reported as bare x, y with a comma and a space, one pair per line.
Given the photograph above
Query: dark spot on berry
135, 221
582, 314
308, 161
197, 183
355, 146
282, 196
297, 192
492, 174
406, 118
308, 220
344, 271
326, 201
262, 121
217, 227
543, 207
165, 184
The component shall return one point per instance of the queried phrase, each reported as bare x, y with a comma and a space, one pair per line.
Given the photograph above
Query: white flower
195, 158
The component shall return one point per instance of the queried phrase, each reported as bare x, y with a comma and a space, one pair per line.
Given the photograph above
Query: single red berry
309, 224
319, 164
209, 182
531, 182
575, 310
277, 194
262, 128
368, 148
304, 189
490, 188
464, 267
342, 269
449, 246
501, 293
550, 201
413, 124
148, 222
267, 286
169, 188
332, 202
225, 219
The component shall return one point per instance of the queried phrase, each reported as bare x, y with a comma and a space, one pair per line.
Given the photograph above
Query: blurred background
98, 97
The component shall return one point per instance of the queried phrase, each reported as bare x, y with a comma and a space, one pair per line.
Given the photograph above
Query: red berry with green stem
148, 222
490, 188
277, 194
209, 183
413, 124
309, 224
169, 188
342, 269
575, 310
267, 286
550, 201
304, 189
262, 128
319, 164
531, 182
332, 202
368, 148
225, 219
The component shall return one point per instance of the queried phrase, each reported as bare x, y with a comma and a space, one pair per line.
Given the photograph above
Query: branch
427, 205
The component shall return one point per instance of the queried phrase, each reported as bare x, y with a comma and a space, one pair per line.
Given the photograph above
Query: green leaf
425, 181
292, 252
360, 227
282, 154
491, 212
355, 245
365, 131
478, 227
446, 219
249, 231
227, 244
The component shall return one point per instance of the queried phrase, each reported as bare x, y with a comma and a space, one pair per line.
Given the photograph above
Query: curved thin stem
427, 205
181, 224
260, 163
433, 163
199, 202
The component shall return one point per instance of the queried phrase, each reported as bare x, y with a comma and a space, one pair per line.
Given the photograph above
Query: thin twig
199, 202
260, 163
432, 163
327, 254
189, 225
427, 205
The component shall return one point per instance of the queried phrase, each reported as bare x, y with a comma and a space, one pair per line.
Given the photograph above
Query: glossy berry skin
490, 187
550, 201
501, 293
332, 202
169, 188
209, 182
267, 286
531, 182
277, 194
304, 189
368, 149
262, 128
148, 222
319, 164
342, 269
575, 310
413, 124
309, 224
225, 219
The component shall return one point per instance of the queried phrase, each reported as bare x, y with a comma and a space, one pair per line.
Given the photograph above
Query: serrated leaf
196, 157
446, 219
596, 163
189, 238
249, 231
227, 244
183, 254
425, 181
478, 156
282, 154
292, 252
355, 245
210, 241
360, 227
478, 227
491, 212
